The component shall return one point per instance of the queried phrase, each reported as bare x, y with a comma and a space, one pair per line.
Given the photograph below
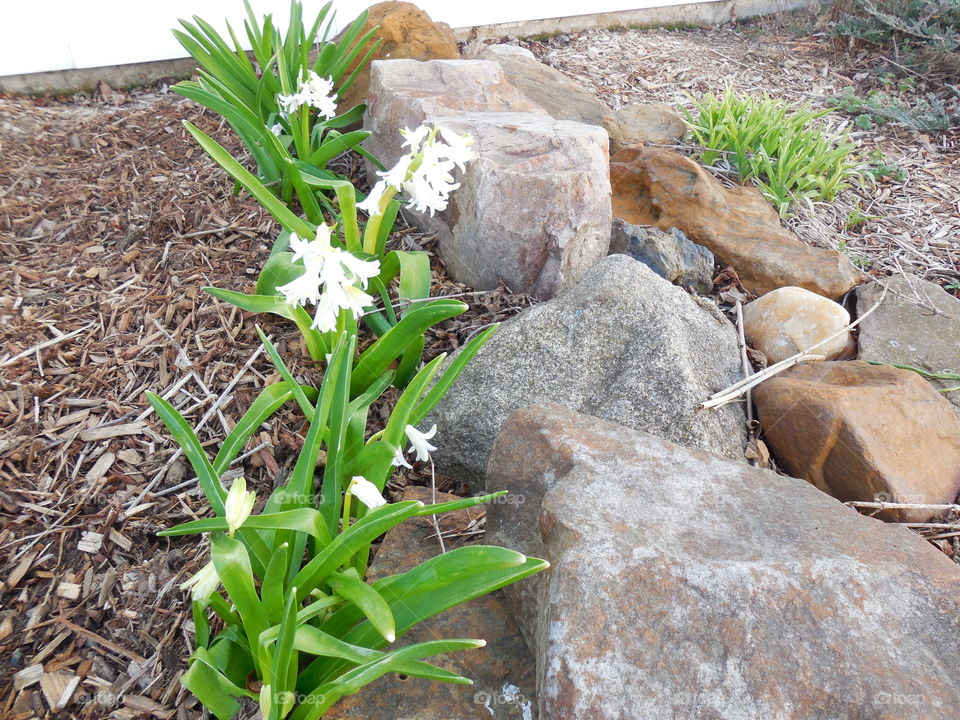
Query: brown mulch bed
112, 221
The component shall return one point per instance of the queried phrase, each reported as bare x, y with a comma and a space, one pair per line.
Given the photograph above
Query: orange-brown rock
654, 186
863, 432
503, 672
407, 32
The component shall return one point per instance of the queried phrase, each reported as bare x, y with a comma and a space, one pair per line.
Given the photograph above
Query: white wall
43, 35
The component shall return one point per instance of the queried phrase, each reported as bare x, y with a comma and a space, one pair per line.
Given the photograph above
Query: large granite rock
653, 186
406, 32
685, 585
790, 320
533, 208
503, 671
863, 432
917, 324
671, 255
623, 344
560, 96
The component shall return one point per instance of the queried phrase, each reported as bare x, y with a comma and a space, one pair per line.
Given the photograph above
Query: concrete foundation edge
65, 82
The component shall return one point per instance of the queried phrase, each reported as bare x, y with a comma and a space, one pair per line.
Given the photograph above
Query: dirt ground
111, 222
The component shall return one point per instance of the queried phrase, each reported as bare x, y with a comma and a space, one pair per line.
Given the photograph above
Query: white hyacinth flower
314, 91
371, 206
395, 176
400, 461
414, 138
425, 173
239, 505
330, 279
457, 148
418, 441
366, 492
325, 316
277, 129
302, 290
204, 583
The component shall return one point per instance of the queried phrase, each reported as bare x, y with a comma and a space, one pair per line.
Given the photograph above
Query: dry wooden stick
732, 393
744, 360
44, 345
884, 505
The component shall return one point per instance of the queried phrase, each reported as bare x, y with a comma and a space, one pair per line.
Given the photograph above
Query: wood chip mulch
111, 221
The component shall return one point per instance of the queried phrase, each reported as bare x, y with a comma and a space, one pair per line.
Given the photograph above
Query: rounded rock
789, 320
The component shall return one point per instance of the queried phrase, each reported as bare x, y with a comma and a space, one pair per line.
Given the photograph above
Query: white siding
65, 34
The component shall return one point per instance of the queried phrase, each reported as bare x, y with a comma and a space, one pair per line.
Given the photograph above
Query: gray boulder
533, 209
917, 324
641, 123
685, 585
556, 93
623, 344
671, 255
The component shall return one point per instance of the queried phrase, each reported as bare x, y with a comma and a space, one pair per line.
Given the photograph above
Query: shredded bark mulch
113, 220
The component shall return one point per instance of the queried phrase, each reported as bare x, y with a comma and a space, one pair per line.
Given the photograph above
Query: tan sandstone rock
407, 93
654, 186
502, 672
643, 123
789, 320
533, 207
407, 32
863, 432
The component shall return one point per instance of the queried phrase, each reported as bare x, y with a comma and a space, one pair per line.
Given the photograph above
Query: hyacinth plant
283, 103
282, 612
341, 267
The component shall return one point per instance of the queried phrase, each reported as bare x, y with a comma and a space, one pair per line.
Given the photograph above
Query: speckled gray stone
671, 255
623, 344
905, 331
685, 585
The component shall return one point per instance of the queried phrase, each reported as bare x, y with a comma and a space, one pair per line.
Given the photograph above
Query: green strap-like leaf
271, 399
267, 199
304, 520
233, 566
318, 702
346, 544
188, 442
274, 305
378, 357
349, 586
450, 375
